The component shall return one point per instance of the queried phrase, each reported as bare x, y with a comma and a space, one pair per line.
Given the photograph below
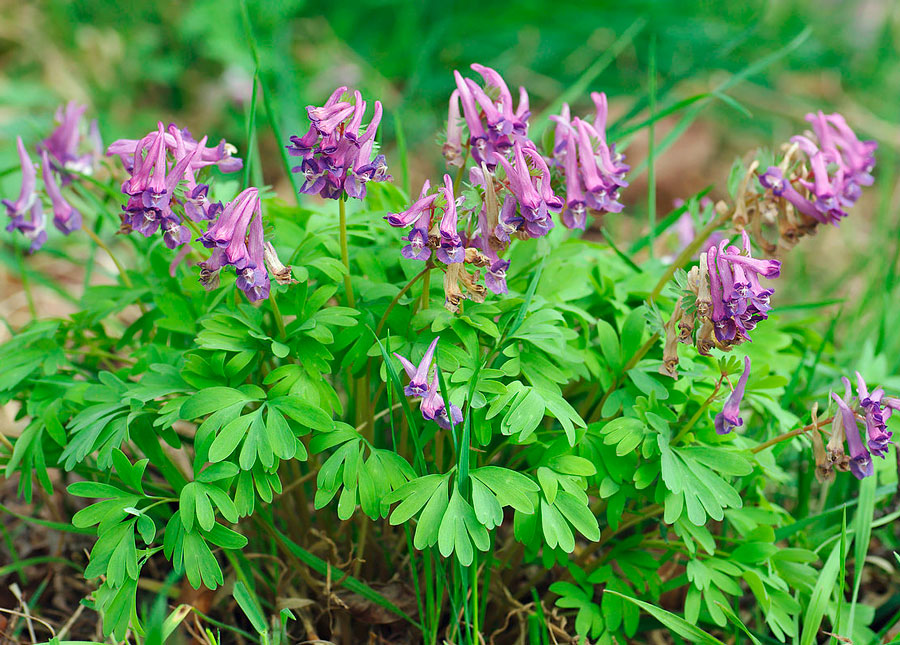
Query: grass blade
821, 595
676, 623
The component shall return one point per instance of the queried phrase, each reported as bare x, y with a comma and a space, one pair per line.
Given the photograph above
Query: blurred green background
190, 62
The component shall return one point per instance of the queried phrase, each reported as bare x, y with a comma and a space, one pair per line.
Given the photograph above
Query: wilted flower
337, 159
730, 416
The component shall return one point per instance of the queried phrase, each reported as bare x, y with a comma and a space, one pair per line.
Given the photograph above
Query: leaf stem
690, 424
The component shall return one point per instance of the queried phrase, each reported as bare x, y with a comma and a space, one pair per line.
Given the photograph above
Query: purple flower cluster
423, 382
730, 416
830, 180
594, 172
737, 300
157, 164
337, 159
27, 212
872, 410
236, 239
493, 125
68, 147
513, 181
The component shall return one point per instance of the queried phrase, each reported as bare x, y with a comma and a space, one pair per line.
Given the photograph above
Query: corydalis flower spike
730, 416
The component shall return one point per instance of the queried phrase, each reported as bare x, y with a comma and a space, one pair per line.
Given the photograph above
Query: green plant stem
423, 273
634, 360
96, 239
687, 253
792, 434
276, 312
345, 253
426, 291
26, 284
698, 413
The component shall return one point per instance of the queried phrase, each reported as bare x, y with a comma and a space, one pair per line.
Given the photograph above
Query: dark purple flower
28, 204
65, 217
871, 405
508, 222
730, 416
418, 375
253, 279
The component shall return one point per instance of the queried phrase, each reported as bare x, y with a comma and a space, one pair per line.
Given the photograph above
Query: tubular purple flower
410, 215
730, 416
715, 284
774, 179
65, 217
523, 110
553, 202
433, 407
766, 268
352, 129
418, 248
508, 222
452, 149
418, 375
62, 144
860, 461
451, 250
493, 79
253, 279
34, 228
562, 134
575, 215
601, 110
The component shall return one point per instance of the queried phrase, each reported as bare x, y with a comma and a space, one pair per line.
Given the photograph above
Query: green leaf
210, 400
821, 595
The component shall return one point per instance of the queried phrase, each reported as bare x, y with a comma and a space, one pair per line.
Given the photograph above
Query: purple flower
418, 375
860, 461
253, 279
434, 409
508, 222
730, 416
28, 203
451, 250
64, 142
229, 231
535, 204
838, 164
418, 248
452, 149
493, 126
872, 406
65, 217
593, 171
421, 205
337, 159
